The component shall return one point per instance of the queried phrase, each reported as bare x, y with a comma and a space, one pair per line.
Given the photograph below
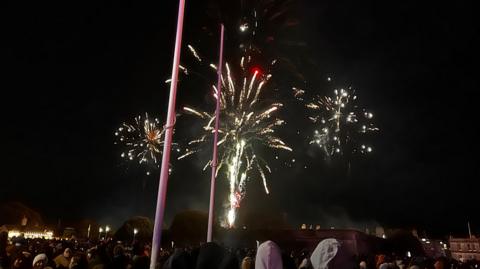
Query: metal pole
215, 140
162, 186
469, 230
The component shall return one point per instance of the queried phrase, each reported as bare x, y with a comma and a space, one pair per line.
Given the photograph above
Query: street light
107, 229
100, 231
135, 231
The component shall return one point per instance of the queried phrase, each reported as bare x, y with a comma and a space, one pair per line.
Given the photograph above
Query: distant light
31, 234
135, 231
243, 27
409, 254
329, 79
423, 239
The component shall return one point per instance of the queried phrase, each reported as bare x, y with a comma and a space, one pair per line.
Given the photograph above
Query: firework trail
247, 123
340, 123
142, 141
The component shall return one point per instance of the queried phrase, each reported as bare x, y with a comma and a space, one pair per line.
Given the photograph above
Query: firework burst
142, 140
247, 123
340, 123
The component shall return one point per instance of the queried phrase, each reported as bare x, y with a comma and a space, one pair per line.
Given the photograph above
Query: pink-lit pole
215, 140
162, 186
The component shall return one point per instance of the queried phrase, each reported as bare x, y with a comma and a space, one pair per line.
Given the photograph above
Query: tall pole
162, 186
469, 230
215, 139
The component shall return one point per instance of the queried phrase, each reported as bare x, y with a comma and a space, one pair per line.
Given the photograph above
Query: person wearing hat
63, 260
40, 262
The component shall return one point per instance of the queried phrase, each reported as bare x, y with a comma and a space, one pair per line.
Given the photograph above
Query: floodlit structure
464, 249
31, 234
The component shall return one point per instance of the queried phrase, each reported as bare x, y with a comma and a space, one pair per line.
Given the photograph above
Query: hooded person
210, 256
178, 260
21, 262
324, 253
141, 258
120, 260
305, 264
288, 262
40, 261
247, 263
230, 261
268, 256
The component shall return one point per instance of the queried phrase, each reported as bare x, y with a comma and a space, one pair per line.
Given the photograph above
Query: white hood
324, 253
268, 256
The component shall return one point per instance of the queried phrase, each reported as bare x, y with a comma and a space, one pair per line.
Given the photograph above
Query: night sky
76, 71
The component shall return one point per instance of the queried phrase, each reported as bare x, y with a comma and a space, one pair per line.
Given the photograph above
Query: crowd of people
50, 254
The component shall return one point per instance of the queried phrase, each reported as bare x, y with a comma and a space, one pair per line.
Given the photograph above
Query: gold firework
247, 123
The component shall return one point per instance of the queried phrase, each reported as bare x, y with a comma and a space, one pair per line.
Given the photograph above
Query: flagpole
469, 230
215, 139
162, 186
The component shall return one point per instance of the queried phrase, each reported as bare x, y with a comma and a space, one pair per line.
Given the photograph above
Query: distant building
28, 232
464, 249
434, 248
